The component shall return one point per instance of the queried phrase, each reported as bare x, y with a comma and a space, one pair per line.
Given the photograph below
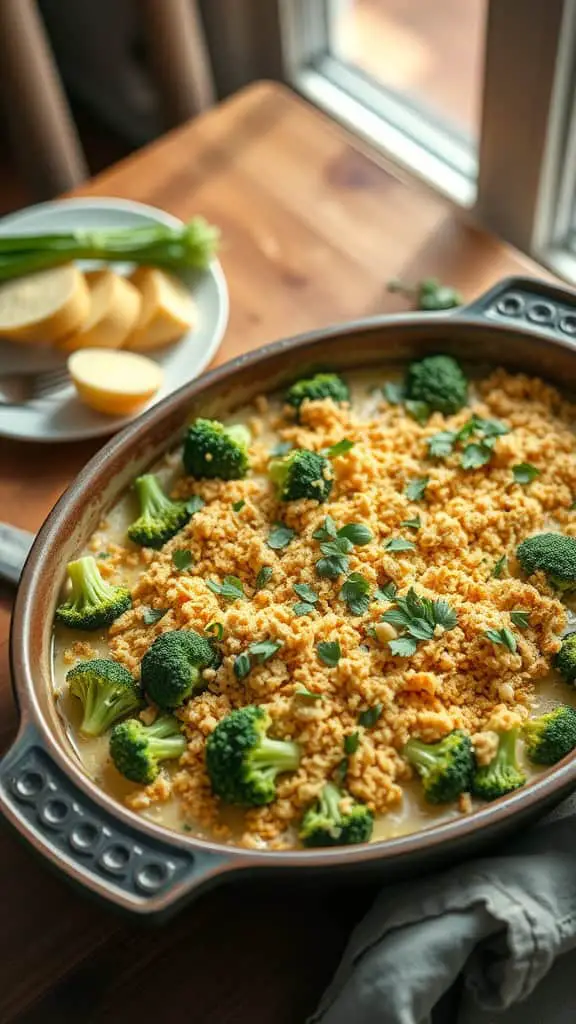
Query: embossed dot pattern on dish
122, 856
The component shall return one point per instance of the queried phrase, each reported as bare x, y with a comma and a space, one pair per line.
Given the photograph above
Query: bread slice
114, 309
113, 382
43, 307
167, 309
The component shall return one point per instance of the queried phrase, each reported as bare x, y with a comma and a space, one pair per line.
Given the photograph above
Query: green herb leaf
329, 652
231, 589
351, 743
444, 615
520, 619
263, 577
399, 544
356, 533
354, 592
238, 505
386, 592
282, 448
476, 454
394, 392
441, 445
500, 567
403, 647
152, 615
194, 504
419, 616
217, 629
305, 593
102, 555
412, 524
340, 448
504, 636
303, 691
336, 562
182, 559
280, 536
415, 489
525, 473
419, 411
340, 771
263, 650
302, 608
327, 531
369, 717
242, 665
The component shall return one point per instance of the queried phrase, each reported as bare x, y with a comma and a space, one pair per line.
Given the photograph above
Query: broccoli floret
243, 762
502, 775
554, 554
215, 451
565, 660
171, 669
324, 824
445, 767
160, 518
107, 692
321, 385
438, 381
301, 474
552, 736
93, 602
137, 749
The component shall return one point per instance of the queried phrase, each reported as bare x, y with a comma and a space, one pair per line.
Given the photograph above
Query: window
475, 97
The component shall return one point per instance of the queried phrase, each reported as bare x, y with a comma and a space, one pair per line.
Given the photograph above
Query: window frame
521, 183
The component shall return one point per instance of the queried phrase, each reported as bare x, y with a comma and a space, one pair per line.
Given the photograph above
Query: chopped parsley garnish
194, 504
256, 654
394, 392
419, 618
264, 576
399, 544
152, 615
520, 619
182, 559
336, 544
351, 743
103, 555
387, 592
415, 489
500, 567
280, 536
504, 636
355, 592
340, 448
231, 589
419, 411
216, 629
302, 608
305, 593
481, 435
412, 524
329, 652
370, 716
303, 691
525, 473
238, 505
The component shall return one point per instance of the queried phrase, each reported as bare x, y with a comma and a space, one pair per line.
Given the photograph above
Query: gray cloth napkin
506, 922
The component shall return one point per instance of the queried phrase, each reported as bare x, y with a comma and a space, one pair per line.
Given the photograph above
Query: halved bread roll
167, 309
43, 307
114, 309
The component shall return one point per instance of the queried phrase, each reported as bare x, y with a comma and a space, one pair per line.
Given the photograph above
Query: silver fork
19, 388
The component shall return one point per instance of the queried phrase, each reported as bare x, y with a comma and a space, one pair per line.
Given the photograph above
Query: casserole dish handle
133, 869
529, 304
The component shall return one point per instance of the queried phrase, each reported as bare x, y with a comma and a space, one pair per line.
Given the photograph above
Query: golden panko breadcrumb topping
461, 679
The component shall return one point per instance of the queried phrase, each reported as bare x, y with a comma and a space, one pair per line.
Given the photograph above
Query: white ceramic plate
62, 417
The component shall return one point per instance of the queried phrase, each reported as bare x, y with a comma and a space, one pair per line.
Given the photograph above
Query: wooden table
313, 228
